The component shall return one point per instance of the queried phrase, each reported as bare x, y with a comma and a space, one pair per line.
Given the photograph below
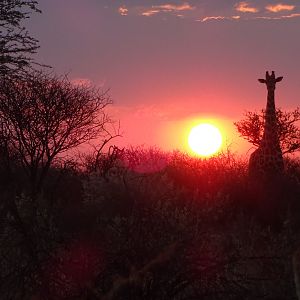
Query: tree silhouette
251, 128
45, 116
16, 45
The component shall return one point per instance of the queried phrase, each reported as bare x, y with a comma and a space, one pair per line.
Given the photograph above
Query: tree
45, 116
16, 45
252, 126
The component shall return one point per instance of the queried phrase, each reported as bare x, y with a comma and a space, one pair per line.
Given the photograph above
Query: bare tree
46, 116
252, 126
16, 45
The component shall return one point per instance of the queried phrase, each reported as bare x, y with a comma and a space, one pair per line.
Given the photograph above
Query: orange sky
147, 126
170, 63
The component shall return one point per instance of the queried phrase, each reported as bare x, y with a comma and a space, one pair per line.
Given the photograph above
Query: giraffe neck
270, 128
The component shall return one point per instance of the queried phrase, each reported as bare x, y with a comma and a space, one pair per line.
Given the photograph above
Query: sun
205, 139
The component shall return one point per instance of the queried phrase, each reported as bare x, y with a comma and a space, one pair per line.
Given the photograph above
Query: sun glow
205, 139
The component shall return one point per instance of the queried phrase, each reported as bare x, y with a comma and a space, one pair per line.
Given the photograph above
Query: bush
185, 228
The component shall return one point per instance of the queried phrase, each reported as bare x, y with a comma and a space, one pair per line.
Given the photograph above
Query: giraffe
266, 162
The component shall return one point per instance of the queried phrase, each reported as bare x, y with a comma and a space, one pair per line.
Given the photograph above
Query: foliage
187, 228
16, 45
251, 128
43, 116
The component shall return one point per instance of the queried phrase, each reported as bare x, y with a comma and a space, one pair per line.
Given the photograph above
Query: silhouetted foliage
44, 116
251, 128
16, 45
129, 223
121, 228
199, 220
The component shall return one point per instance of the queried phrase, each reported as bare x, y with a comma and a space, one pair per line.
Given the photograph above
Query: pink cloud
213, 18
169, 8
245, 7
291, 16
150, 12
173, 7
280, 17
218, 18
123, 11
280, 7
88, 82
81, 81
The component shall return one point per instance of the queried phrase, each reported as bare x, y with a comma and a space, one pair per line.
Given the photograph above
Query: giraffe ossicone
267, 160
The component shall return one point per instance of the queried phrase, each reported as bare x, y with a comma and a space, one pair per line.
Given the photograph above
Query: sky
170, 64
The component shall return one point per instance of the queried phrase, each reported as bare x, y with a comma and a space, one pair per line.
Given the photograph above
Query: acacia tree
252, 126
45, 116
16, 49
16, 45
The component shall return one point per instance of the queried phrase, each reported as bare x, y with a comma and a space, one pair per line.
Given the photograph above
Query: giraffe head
270, 81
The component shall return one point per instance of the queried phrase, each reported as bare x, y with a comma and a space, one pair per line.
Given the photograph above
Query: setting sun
205, 139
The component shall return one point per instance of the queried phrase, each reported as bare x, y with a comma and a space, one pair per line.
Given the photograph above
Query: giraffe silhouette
266, 162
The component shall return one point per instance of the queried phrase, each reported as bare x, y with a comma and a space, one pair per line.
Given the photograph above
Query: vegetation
129, 223
113, 227
251, 128
44, 116
16, 45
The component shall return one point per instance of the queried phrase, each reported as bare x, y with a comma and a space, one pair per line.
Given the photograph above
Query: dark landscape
82, 217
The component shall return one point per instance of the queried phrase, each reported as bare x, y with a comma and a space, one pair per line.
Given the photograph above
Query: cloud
167, 8
279, 17
291, 16
151, 12
232, 18
123, 11
212, 18
81, 81
280, 7
173, 7
151, 111
245, 7
219, 18
246, 11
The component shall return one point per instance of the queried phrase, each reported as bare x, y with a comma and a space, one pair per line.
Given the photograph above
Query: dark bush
153, 225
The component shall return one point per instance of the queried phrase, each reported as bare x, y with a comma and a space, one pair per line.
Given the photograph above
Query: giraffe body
266, 162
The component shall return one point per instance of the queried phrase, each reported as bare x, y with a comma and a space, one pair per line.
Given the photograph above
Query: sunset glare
205, 139
168, 62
